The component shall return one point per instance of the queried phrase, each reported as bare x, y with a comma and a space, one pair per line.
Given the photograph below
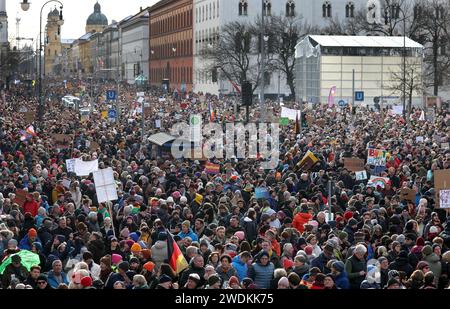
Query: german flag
176, 258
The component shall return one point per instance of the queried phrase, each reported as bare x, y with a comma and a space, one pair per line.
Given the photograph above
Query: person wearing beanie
116, 259
350, 229
283, 283
42, 283
165, 282
193, 282
322, 260
122, 275
27, 241
86, 282
186, 231
136, 249
393, 284
233, 283
340, 275
433, 260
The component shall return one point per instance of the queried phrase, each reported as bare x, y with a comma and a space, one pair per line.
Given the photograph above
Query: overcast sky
75, 14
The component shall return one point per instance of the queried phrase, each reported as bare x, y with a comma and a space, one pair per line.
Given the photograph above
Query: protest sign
105, 185
84, 168
308, 161
261, 193
441, 182
375, 181
444, 199
361, 175
212, 168
354, 164
289, 113
284, 121
70, 165
62, 140
376, 157
408, 194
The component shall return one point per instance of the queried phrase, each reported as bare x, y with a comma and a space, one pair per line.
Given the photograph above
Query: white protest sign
140, 94
84, 168
419, 139
444, 198
289, 113
70, 165
397, 109
158, 123
66, 183
162, 100
140, 100
445, 146
362, 175
105, 185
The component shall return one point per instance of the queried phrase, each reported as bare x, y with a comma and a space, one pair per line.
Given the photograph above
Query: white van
71, 101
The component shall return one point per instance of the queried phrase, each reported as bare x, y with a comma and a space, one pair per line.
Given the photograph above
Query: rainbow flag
212, 168
176, 258
27, 134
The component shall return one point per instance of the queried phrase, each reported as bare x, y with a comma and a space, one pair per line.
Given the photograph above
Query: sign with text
62, 140
441, 182
354, 164
361, 175
444, 199
375, 181
408, 194
376, 157
105, 185
262, 193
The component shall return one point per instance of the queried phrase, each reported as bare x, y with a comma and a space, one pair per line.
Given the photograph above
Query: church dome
97, 18
55, 12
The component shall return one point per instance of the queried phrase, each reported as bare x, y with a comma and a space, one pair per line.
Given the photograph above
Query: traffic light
247, 93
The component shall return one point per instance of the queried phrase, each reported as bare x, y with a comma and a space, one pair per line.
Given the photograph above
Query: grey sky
75, 14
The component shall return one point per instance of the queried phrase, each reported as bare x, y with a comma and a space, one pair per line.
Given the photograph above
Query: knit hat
149, 266
32, 233
301, 241
164, 279
162, 236
359, 237
427, 250
348, 215
422, 264
136, 247
213, 279
309, 250
116, 258
240, 235
86, 281
195, 277
401, 238
134, 236
146, 253
339, 266
233, 280
186, 223
420, 241
288, 264
328, 247
124, 266
352, 222
283, 282
342, 235
392, 281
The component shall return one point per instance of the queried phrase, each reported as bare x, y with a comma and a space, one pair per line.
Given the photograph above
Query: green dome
97, 18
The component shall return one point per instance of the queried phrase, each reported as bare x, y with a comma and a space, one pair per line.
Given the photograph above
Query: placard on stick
441, 182
408, 194
354, 164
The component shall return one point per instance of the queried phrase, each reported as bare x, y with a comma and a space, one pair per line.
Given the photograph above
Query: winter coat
435, 264
302, 270
250, 228
191, 234
353, 266
401, 264
342, 281
300, 219
261, 275
240, 267
365, 285
159, 253
9, 271
54, 282
97, 248
31, 207
321, 262
192, 270
25, 243
225, 275
350, 233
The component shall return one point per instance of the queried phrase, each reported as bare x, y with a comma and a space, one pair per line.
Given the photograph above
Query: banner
444, 198
376, 181
262, 193
84, 168
289, 113
70, 165
105, 185
441, 183
354, 164
377, 157
308, 161
284, 121
62, 140
212, 168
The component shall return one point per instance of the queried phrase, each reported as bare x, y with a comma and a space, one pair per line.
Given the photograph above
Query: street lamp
25, 5
386, 16
60, 23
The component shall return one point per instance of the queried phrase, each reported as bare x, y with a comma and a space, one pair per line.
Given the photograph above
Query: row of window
172, 23
168, 50
204, 37
207, 12
176, 75
211, 77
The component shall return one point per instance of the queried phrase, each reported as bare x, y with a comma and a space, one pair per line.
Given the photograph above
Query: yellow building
53, 43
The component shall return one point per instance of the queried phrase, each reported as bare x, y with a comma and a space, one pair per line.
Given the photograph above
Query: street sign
111, 95
359, 95
112, 113
342, 103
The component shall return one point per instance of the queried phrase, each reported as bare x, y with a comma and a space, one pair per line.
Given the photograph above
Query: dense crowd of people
303, 236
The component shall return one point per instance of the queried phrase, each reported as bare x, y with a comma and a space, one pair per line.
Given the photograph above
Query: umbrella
28, 259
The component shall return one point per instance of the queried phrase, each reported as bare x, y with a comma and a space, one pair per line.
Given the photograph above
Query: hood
433, 258
302, 269
237, 259
160, 244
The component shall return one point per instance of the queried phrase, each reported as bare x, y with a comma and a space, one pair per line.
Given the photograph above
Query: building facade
211, 15
134, 43
325, 65
97, 21
171, 44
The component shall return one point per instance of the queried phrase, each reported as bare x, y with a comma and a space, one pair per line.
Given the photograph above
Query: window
267, 9
214, 10
267, 78
350, 10
217, 8
417, 11
326, 9
439, 12
290, 8
210, 11
395, 11
443, 47
196, 15
243, 6
207, 11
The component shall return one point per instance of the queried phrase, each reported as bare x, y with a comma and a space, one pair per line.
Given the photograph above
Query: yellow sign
104, 114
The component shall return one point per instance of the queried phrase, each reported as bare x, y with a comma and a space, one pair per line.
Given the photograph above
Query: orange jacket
276, 247
300, 219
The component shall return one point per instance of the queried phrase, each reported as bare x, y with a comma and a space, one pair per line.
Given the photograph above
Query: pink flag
331, 97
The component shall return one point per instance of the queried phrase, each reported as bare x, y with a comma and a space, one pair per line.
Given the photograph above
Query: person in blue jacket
340, 275
187, 231
27, 241
240, 264
56, 276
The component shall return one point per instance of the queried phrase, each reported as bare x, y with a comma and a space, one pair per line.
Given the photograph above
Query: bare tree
408, 80
231, 54
286, 32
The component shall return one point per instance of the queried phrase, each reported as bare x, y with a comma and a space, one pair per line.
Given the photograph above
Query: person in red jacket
30, 205
301, 218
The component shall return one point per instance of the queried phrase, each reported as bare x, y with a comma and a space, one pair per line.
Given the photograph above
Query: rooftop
363, 41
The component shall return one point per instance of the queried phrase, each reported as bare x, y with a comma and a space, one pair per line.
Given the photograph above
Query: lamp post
60, 23
261, 99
